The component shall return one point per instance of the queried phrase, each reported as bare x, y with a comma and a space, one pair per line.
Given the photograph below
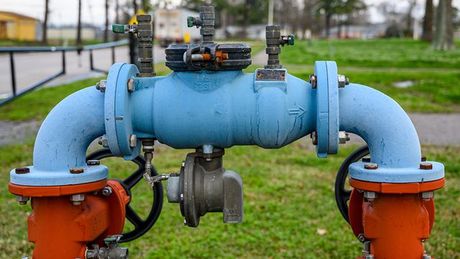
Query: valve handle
342, 195
141, 226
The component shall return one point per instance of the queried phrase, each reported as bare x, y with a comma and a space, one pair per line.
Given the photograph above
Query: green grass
288, 196
393, 53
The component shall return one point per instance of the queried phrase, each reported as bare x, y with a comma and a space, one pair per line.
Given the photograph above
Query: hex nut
343, 137
314, 138
342, 80
313, 81
76, 170
93, 162
76, 199
371, 166
427, 195
101, 85
370, 195
22, 170
22, 200
426, 166
132, 141
131, 85
107, 191
103, 141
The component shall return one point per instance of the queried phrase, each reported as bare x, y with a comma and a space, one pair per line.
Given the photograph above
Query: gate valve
194, 21
203, 185
287, 40
274, 40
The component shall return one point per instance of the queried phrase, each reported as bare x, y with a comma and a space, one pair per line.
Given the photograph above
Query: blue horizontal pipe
190, 109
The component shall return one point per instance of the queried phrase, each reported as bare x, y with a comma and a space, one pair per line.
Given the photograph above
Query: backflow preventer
208, 104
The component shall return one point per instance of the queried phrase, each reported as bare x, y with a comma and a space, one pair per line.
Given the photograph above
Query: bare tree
428, 21
45, 23
79, 24
106, 31
444, 34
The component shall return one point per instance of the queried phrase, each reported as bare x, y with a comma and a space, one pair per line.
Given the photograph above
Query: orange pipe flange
62, 229
396, 221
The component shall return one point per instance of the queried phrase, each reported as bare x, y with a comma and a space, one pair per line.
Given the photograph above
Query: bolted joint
313, 81
107, 191
22, 200
343, 81
130, 84
101, 85
132, 140
343, 137
370, 196
76, 199
427, 195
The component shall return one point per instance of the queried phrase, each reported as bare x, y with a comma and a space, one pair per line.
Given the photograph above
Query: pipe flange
381, 174
327, 105
117, 111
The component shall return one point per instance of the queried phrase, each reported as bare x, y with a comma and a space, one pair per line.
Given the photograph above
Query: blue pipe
63, 139
182, 112
192, 109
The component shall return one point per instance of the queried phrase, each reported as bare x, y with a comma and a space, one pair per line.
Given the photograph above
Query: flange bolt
371, 166
131, 85
22, 200
313, 81
76, 170
366, 160
343, 80
426, 166
314, 138
22, 170
132, 141
107, 191
101, 85
76, 199
93, 162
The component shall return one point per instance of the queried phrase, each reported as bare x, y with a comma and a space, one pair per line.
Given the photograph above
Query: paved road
433, 129
32, 67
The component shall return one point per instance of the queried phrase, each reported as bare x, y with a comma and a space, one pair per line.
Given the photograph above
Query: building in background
14, 26
69, 32
171, 26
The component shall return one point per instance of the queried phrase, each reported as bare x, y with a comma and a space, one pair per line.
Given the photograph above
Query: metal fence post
13, 74
91, 65
113, 54
63, 62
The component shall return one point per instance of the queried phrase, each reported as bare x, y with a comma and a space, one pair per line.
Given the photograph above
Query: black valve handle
342, 195
141, 226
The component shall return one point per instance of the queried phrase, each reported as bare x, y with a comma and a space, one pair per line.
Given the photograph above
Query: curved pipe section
382, 123
63, 139
392, 139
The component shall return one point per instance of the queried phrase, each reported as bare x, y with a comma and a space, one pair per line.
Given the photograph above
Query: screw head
93, 162
131, 85
426, 166
22, 170
313, 81
371, 166
101, 85
132, 141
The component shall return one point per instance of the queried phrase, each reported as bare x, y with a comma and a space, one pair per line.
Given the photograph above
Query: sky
65, 11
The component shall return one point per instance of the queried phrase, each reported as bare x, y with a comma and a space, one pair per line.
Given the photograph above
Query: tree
337, 7
428, 21
45, 23
106, 31
444, 34
79, 25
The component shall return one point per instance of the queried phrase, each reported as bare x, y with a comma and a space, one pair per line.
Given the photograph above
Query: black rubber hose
341, 194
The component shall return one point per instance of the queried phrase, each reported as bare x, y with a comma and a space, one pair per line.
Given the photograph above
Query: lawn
288, 196
288, 193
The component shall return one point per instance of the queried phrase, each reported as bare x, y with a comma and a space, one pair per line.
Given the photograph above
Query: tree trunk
79, 24
428, 21
328, 25
106, 29
45, 23
135, 6
444, 39
117, 18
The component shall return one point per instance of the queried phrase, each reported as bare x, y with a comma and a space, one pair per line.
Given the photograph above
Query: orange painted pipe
396, 225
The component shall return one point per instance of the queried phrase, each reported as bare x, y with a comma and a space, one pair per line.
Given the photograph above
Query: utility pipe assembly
209, 104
